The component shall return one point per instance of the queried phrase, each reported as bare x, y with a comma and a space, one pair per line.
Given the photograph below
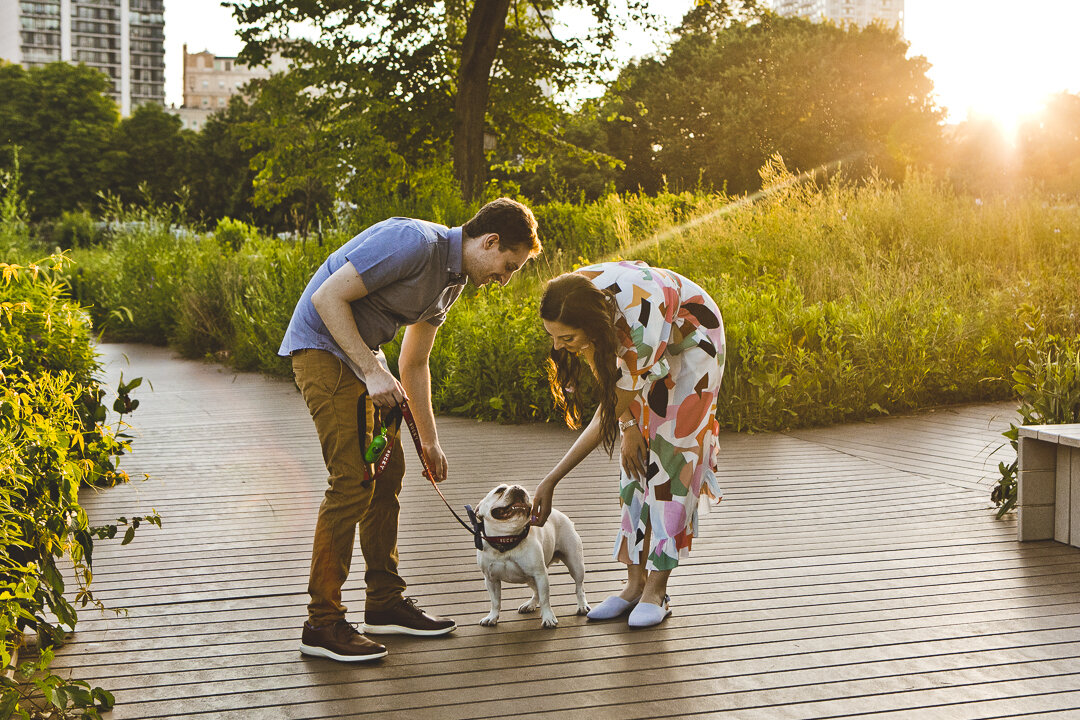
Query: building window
39, 8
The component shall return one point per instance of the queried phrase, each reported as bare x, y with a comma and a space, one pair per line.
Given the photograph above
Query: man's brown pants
344, 418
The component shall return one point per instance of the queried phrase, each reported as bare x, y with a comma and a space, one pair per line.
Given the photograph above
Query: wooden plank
849, 571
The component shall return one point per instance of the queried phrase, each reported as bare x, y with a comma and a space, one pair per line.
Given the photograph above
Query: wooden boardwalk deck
855, 571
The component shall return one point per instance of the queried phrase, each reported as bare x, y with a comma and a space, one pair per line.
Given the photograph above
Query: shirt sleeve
645, 305
388, 253
452, 293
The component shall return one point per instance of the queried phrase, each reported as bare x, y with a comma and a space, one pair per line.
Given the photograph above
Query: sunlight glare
996, 59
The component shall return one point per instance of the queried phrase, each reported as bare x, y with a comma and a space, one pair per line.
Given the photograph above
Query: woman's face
564, 337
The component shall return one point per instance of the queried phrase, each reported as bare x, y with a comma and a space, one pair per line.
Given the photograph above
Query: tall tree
60, 117
1049, 145
219, 171
151, 152
729, 95
309, 151
449, 66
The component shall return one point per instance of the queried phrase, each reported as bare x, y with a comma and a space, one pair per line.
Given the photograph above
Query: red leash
475, 529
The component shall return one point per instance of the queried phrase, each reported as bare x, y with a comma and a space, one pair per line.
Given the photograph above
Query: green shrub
133, 283
840, 302
1047, 381
15, 242
232, 234
489, 358
71, 230
54, 438
264, 283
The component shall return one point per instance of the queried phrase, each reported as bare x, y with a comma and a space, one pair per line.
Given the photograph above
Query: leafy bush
1047, 381
15, 240
840, 302
72, 229
54, 438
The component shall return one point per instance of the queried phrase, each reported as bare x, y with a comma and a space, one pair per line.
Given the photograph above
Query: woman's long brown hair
572, 300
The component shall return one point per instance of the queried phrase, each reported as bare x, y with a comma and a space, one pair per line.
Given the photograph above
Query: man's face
495, 264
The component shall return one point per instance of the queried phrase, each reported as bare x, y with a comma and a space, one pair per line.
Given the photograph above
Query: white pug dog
515, 551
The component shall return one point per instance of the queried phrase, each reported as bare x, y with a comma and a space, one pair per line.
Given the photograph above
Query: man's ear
491, 240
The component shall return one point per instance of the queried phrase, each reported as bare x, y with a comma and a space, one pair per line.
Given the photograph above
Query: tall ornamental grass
840, 302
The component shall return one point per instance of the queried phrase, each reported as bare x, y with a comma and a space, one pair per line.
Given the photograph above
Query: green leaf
128, 536
104, 698
8, 700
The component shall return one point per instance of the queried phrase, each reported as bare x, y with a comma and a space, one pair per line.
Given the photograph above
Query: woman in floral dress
654, 341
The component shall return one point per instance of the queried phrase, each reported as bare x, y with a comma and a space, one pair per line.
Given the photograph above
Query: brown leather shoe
340, 641
405, 618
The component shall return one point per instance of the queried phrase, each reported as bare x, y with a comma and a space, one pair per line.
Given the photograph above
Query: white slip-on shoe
646, 614
611, 608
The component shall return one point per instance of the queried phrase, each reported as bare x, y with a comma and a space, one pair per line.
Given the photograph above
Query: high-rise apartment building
125, 39
857, 12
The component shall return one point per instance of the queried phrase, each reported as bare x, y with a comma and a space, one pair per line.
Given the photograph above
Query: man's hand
542, 502
634, 453
436, 461
384, 388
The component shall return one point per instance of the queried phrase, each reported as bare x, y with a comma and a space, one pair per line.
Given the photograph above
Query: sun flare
995, 59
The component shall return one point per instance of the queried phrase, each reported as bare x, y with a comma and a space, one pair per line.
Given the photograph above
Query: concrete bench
1048, 483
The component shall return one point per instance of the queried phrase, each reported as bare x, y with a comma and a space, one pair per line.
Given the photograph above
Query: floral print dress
671, 355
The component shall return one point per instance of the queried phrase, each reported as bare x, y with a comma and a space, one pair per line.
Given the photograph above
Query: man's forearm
416, 379
338, 318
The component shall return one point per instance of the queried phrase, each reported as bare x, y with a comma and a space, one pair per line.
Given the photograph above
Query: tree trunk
482, 36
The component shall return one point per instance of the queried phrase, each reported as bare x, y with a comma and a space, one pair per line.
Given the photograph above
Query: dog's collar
502, 543
505, 543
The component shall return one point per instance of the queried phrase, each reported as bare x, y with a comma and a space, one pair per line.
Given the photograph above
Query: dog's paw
527, 607
490, 620
549, 620
583, 609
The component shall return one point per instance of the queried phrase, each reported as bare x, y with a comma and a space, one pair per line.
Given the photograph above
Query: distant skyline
987, 56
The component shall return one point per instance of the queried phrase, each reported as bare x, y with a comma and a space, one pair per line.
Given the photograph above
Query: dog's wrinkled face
505, 509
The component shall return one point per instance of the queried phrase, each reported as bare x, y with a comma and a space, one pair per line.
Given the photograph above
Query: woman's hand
542, 502
634, 453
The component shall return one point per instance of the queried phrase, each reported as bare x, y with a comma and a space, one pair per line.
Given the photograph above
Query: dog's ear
484, 505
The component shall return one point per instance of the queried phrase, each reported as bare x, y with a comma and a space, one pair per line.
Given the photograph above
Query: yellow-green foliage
54, 438
846, 302
840, 302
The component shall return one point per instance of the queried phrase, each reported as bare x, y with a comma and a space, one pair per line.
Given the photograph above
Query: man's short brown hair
514, 223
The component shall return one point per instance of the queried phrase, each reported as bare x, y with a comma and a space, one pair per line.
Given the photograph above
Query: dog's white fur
528, 562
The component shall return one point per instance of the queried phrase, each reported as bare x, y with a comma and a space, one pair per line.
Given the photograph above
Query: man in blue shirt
399, 272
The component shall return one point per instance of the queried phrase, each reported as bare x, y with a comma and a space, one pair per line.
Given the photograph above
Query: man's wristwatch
627, 424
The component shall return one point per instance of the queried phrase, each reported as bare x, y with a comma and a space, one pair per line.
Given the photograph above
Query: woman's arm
587, 441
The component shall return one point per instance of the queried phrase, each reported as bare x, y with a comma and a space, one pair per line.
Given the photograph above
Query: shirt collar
453, 257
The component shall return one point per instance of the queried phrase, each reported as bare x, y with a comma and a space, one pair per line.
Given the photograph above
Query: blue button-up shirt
411, 270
